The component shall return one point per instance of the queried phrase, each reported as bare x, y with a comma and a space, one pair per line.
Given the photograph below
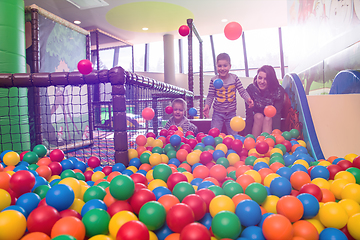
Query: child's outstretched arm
206, 111
250, 102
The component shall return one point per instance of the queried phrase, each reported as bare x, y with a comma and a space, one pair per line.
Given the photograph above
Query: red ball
205, 157
237, 145
22, 155
218, 172
184, 30
214, 132
22, 182
163, 132
186, 146
56, 168
133, 230
262, 147
192, 142
151, 134
57, 155
88, 175
70, 213
179, 216
107, 170
287, 144
200, 136
270, 111
344, 164
93, 162
139, 178
85, 66
312, 189
189, 133
195, 231
41, 203
228, 141
207, 195
243, 152
169, 110
42, 219
333, 170
232, 30
119, 206
139, 198
197, 204
173, 127
174, 179
356, 162
139, 186
148, 113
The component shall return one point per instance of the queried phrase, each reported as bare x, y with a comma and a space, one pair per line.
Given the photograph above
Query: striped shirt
225, 98
185, 124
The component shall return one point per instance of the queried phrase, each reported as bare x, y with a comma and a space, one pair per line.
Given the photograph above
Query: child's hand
250, 102
206, 111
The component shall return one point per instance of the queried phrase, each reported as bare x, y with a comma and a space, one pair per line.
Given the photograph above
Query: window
125, 58
106, 58
156, 57
139, 57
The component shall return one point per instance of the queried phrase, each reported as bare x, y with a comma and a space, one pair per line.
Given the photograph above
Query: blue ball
52, 183
196, 181
39, 181
118, 167
253, 233
265, 215
230, 151
98, 169
194, 166
192, 112
160, 191
289, 160
320, 172
74, 159
90, 183
249, 212
285, 172
34, 173
218, 83
280, 187
218, 154
3, 154
300, 149
298, 167
142, 171
201, 144
28, 201
163, 232
23, 163
60, 197
174, 161
205, 184
209, 140
80, 165
135, 162
91, 204
20, 167
303, 156
267, 190
67, 164
206, 220
260, 165
337, 160
310, 204
175, 140
333, 234
17, 208
127, 172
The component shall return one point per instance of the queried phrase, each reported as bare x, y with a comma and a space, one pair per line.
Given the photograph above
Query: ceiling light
224, 20
145, 28
77, 22
87, 4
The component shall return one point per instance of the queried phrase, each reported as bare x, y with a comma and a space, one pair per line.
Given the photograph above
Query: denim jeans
219, 118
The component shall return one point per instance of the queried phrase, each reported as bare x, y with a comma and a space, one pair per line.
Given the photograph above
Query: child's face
223, 68
178, 111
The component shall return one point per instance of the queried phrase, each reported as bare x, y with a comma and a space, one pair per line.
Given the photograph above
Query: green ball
276, 154
286, 135
256, 192
314, 163
94, 192
281, 147
96, 222
162, 171
122, 187
199, 147
272, 137
294, 133
265, 134
80, 176
217, 190
356, 172
144, 158
209, 147
40, 150
190, 136
157, 150
103, 184
232, 174
171, 154
226, 224
250, 135
64, 237
232, 188
30, 157
276, 159
168, 147
182, 189
42, 190
180, 169
226, 182
250, 160
223, 161
218, 140
68, 173
33, 167
153, 215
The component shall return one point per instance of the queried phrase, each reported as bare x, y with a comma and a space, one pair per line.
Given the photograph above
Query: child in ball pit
178, 117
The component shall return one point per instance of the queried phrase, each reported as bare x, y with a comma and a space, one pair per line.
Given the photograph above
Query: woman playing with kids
224, 98
178, 118
265, 90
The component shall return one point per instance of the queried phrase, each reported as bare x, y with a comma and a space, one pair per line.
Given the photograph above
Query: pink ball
205, 157
133, 230
214, 132
169, 110
174, 179
228, 141
187, 147
232, 30
270, 111
57, 155
184, 30
85, 66
195, 231
55, 167
93, 162
139, 198
88, 175
179, 216
107, 170
197, 204
207, 195
236, 145
150, 134
163, 132
192, 142
139, 178
70, 213
262, 147
148, 113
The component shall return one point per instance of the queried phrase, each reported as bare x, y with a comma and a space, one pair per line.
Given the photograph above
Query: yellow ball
12, 224
5, 199
97, 175
180, 129
317, 224
321, 183
261, 160
132, 168
192, 158
324, 163
164, 158
346, 176
11, 158
157, 143
302, 162
120, 219
353, 226
270, 203
10, 172
152, 236
230, 136
83, 190
198, 151
350, 157
101, 237
156, 183
189, 176
237, 124
53, 177
233, 158
222, 147
333, 215
351, 206
155, 159
256, 176
337, 186
253, 150
276, 150
132, 153
221, 203
149, 141
302, 143
269, 178
77, 205
149, 175
74, 184
351, 191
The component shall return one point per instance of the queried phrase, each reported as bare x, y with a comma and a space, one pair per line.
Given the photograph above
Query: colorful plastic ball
214, 132
182, 189
122, 187
153, 215
280, 187
118, 220
175, 140
221, 203
11, 158
311, 189
60, 197
237, 124
351, 191
30, 157
290, 207
174, 179
179, 216
148, 113
356, 172
226, 224
298, 179
332, 233
36, 236
96, 222
305, 230
197, 204
57, 155
94, 192
69, 226
42, 219
232, 188
277, 226
257, 192
85, 66
22, 182
40, 150
218, 83
252, 232
333, 215
310, 205
93, 162
169, 109
270, 111
12, 224
233, 30
192, 112
262, 147
320, 172
28, 201
249, 213
184, 30
119, 206
205, 157
133, 230
353, 225
5, 199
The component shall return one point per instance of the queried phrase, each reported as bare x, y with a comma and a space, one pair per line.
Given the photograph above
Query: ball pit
181, 186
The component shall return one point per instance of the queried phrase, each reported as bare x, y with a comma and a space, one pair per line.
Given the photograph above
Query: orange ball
109, 199
244, 180
44, 161
270, 111
69, 226
4, 180
218, 172
276, 131
275, 166
298, 179
241, 170
44, 171
181, 155
145, 166
201, 171
213, 180
36, 236
186, 166
239, 197
112, 175
327, 195
141, 140
277, 227
279, 139
140, 150
249, 143
168, 201
293, 148
290, 207
270, 142
305, 230
173, 236
264, 172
